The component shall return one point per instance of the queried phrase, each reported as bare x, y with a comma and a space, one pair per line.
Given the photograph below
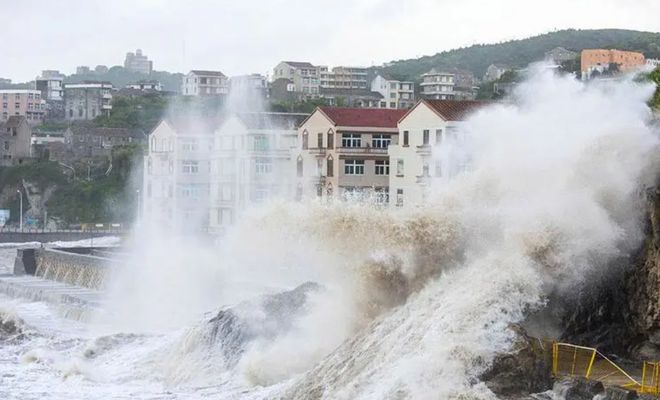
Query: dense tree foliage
142, 112
120, 77
655, 77
519, 53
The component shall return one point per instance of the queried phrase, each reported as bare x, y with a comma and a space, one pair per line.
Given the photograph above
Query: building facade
396, 94
495, 72
342, 153
438, 85
88, 142
600, 59
204, 83
138, 62
176, 180
305, 77
343, 77
418, 159
87, 100
559, 55
251, 163
146, 85
24, 103
15, 134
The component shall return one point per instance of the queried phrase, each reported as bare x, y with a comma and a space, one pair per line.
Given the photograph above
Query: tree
655, 78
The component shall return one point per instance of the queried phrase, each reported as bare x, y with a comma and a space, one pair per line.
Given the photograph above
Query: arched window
330, 170
299, 166
305, 140
331, 139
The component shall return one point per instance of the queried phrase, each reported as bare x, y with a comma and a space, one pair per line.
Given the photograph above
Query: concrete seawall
75, 269
52, 236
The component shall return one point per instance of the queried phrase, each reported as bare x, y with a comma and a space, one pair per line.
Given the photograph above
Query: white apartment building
653, 62
304, 76
343, 77
425, 129
177, 175
251, 163
51, 87
396, 94
438, 85
342, 153
204, 83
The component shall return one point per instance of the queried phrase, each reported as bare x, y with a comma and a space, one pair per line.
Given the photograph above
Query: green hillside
120, 77
519, 53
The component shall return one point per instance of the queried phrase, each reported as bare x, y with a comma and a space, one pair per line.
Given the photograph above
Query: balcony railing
362, 150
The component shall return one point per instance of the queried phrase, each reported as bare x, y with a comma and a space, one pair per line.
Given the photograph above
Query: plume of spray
416, 302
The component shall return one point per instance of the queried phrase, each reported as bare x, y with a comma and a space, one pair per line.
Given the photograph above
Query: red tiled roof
455, 110
364, 117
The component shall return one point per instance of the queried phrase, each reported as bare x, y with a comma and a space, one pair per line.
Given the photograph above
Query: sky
247, 36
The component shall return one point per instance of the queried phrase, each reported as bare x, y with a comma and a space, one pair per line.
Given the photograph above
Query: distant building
101, 69
51, 86
5, 81
144, 85
251, 163
360, 98
82, 70
137, 62
653, 62
51, 73
342, 153
283, 90
204, 83
304, 76
88, 142
559, 55
495, 72
430, 124
247, 92
343, 77
26, 103
395, 93
600, 60
15, 136
438, 85
465, 87
87, 100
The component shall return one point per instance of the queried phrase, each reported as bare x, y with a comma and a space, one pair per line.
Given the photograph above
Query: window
330, 166
190, 192
261, 143
399, 197
331, 140
263, 166
405, 138
354, 167
6, 145
399, 167
438, 168
351, 140
4, 105
425, 137
425, 169
438, 136
299, 166
393, 104
381, 141
17, 105
392, 95
226, 193
190, 166
305, 140
189, 144
319, 140
451, 134
382, 167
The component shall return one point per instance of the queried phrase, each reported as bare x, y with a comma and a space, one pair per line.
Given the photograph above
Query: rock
583, 389
524, 371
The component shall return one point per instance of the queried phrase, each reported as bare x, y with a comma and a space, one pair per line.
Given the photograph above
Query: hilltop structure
136, 62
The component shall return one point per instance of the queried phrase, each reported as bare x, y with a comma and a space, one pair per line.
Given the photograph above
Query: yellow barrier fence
587, 362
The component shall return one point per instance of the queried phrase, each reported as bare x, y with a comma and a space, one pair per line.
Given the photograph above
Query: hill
519, 53
120, 77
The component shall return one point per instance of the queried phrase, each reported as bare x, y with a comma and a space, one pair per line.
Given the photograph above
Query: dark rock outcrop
525, 370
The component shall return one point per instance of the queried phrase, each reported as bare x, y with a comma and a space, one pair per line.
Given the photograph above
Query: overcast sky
246, 36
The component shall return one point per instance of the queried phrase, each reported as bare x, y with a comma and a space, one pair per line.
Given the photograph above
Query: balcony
424, 150
317, 151
362, 150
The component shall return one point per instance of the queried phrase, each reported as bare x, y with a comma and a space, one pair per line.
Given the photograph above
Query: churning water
343, 301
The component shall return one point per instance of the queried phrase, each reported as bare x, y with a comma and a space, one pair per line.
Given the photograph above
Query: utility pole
20, 197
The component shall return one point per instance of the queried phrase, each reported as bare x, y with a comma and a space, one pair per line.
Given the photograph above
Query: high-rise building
138, 62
